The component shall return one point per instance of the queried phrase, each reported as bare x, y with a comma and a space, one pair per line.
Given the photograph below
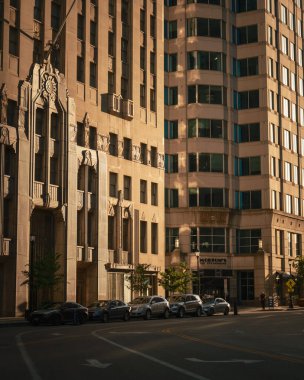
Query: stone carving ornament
49, 87
103, 143
86, 123
161, 161
136, 152
73, 132
4, 102
4, 136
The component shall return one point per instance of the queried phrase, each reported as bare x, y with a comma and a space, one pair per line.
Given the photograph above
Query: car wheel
126, 316
148, 314
181, 312
198, 312
210, 312
166, 314
55, 320
105, 318
226, 311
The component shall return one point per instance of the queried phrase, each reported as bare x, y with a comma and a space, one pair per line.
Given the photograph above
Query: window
295, 177
300, 57
205, 60
80, 69
12, 113
171, 129
270, 68
208, 197
295, 143
283, 14
142, 58
171, 235
210, 239
273, 166
80, 134
55, 16
206, 27
143, 153
170, 63
142, 95
239, 6
207, 94
299, 29
245, 34
152, 100
111, 8
93, 33
270, 35
154, 194
39, 167
284, 44
38, 7
143, 236
291, 21
248, 199
213, 162
113, 146
13, 41
93, 74
171, 96
286, 107
288, 203
170, 29
171, 163
292, 51
113, 185
298, 244
292, 81
246, 67
247, 241
111, 43
285, 76
271, 100
152, 63
246, 132
287, 141
80, 27
247, 166
301, 86
192, 162
92, 138
143, 191
246, 99
142, 20
127, 148
274, 203
171, 198
127, 192
153, 156
287, 171
154, 238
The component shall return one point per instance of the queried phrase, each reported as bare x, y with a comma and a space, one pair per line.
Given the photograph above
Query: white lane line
151, 358
245, 361
96, 363
28, 361
129, 332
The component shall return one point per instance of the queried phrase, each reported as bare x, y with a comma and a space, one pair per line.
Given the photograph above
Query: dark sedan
109, 309
58, 313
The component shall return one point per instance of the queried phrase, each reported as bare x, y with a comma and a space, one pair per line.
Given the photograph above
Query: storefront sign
213, 260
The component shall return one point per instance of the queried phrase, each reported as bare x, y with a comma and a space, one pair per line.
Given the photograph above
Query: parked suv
186, 304
147, 307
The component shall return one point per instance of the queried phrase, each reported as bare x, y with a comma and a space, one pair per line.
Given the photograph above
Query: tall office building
81, 143
234, 119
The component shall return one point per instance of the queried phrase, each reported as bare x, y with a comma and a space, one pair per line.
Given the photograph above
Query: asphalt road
254, 346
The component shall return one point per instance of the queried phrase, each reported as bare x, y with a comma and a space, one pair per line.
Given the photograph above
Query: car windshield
177, 299
99, 304
141, 300
53, 306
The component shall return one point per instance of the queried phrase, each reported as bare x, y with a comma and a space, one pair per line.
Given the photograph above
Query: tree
176, 279
299, 266
138, 279
43, 275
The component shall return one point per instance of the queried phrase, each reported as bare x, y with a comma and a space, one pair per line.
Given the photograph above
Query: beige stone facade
82, 149
235, 142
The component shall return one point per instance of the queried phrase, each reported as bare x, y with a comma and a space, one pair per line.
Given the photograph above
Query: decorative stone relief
120, 148
136, 153
111, 211
148, 157
21, 118
86, 124
48, 87
4, 102
32, 207
154, 220
4, 136
143, 216
103, 143
73, 132
61, 213
161, 161
46, 200
87, 158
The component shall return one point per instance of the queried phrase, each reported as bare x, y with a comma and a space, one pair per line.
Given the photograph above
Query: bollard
235, 310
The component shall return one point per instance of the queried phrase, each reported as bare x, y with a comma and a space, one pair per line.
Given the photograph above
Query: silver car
186, 304
149, 306
217, 305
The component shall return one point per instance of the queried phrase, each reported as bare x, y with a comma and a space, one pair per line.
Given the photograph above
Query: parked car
186, 304
148, 307
217, 305
110, 309
57, 313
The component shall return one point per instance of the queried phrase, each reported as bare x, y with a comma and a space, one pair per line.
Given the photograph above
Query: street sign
290, 284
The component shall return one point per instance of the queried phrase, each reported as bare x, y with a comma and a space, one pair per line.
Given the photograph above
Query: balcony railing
38, 189
54, 192
91, 201
8, 185
79, 199
89, 255
79, 253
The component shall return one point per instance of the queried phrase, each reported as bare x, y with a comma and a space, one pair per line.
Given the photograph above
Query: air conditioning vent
128, 109
114, 103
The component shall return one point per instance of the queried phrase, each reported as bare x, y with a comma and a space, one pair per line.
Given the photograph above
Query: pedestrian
263, 300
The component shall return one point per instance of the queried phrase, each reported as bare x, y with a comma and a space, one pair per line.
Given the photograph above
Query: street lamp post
290, 291
197, 254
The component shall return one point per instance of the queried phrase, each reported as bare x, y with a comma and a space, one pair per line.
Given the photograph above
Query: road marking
245, 361
151, 358
129, 332
56, 334
28, 361
239, 331
96, 363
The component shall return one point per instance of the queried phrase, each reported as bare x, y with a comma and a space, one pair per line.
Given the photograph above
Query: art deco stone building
234, 118
82, 149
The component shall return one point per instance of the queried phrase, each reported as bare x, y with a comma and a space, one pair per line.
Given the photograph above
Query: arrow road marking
96, 363
224, 361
